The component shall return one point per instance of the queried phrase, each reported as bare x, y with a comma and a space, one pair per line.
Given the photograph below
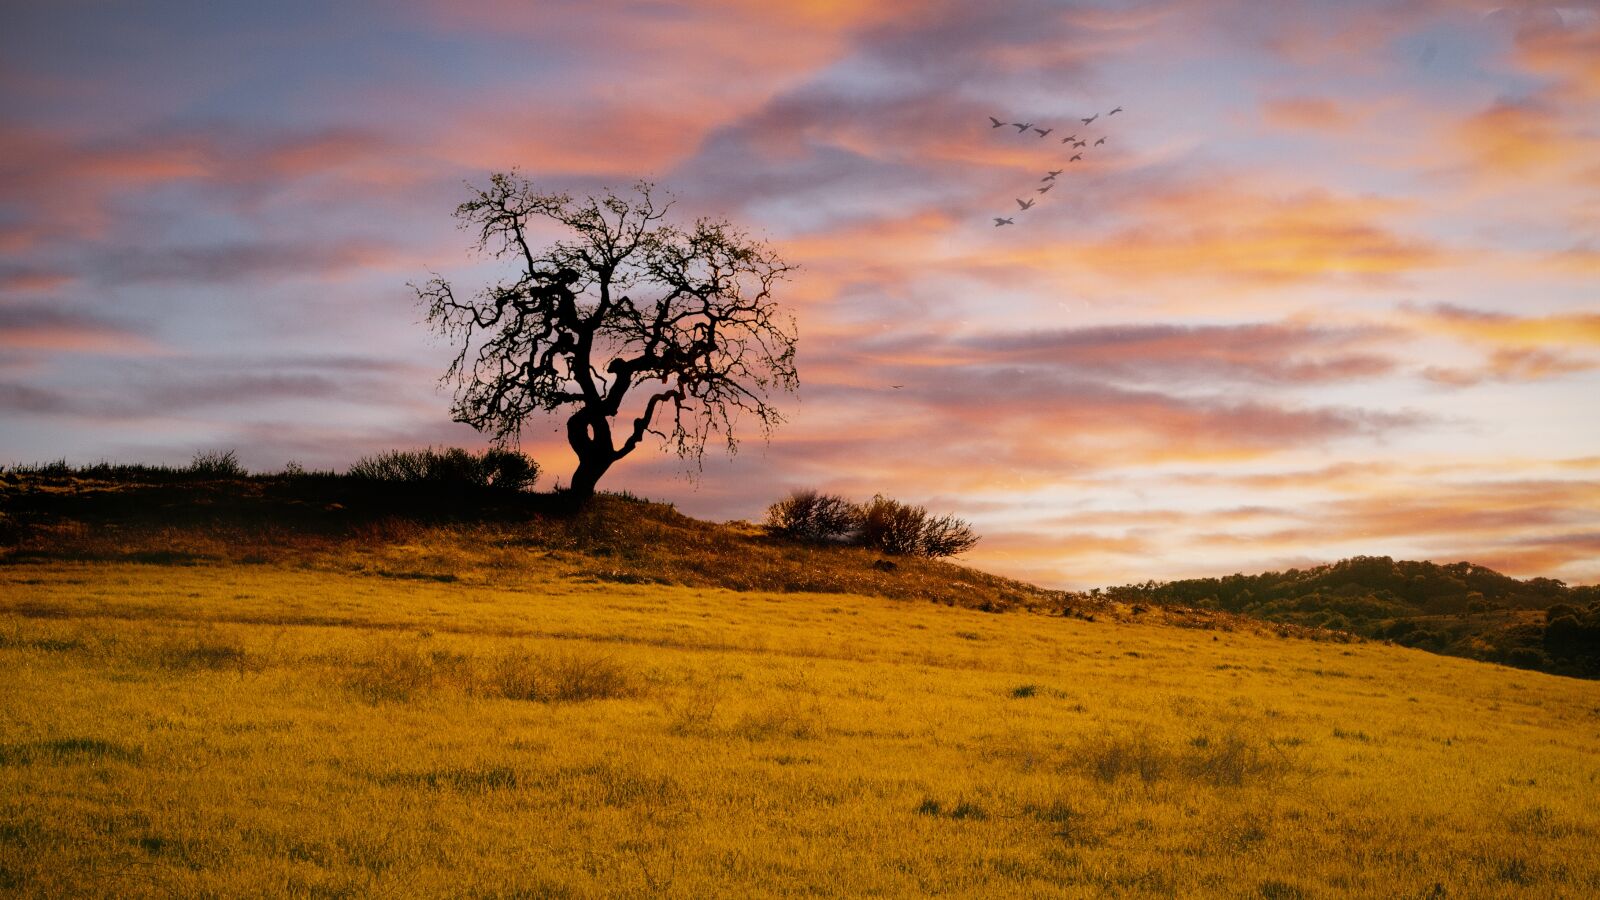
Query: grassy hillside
1460, 609
209, 702
326, 522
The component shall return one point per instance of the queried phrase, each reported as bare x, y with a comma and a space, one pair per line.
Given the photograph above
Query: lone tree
623, 315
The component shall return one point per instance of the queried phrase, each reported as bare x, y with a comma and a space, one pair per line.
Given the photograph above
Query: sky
1331, 286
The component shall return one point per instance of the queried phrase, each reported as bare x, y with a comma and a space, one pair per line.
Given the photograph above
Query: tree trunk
590, 437
591, 467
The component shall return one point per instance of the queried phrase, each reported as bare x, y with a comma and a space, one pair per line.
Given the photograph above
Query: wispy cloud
1577, 329
1293, 353
1306, 113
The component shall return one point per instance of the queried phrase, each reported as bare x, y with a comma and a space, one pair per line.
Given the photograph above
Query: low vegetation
453, 467
448, 467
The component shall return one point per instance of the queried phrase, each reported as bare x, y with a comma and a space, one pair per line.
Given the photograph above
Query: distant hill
1458, 609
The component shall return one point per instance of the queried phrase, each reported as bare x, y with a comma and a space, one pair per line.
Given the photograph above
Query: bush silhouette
885, 525
811, 516
216, 464
902, 529
509, 470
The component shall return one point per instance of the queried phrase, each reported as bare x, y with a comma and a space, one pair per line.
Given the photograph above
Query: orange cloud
613, 139
1447, 512
1305, 114
1454, 507
1578, 330
1515, 138
1037, 428
1241, 236
1340, 477
1572, 556
841, 251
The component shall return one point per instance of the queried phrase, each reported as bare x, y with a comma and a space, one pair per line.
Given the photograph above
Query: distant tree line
1460, 609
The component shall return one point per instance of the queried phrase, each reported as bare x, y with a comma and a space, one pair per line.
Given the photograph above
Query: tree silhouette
623, 300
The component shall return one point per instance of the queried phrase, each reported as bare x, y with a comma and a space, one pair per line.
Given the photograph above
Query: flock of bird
1073, 143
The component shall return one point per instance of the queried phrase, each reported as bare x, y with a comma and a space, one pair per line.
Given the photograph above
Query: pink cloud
1568, 55
50, 330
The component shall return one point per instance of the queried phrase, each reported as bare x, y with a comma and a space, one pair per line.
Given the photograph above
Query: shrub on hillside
885, 525
450, 467
904, 530
812, 516
216, 464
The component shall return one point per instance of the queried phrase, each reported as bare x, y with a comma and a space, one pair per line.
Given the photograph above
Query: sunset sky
1331, 287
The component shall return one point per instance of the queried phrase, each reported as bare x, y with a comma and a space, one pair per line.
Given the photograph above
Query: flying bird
897, 386
1076, 157
1027, 205
1114, 111
999, 221
1046, 188
1081, 144
997, 122
1069, 139
1044, 132
1052, 175
1099, 142
1021, 126
1090, 119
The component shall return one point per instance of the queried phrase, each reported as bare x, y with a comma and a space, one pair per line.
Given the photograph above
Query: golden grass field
280, 729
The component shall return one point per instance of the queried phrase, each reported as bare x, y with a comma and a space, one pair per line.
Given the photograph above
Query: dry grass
402, 669
271, 730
